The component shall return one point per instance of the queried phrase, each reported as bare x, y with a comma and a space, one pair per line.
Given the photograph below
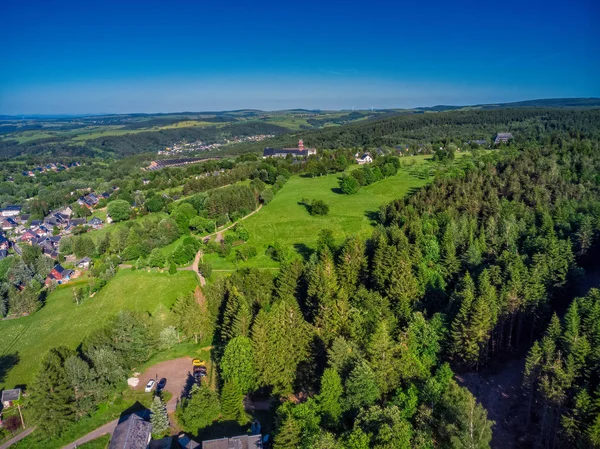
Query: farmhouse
502, 138
364, 159
294, 152
132, 433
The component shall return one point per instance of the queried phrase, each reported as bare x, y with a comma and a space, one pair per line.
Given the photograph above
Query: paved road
19, 437
106, 428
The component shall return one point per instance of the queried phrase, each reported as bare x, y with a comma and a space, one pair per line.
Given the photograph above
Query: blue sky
59, 57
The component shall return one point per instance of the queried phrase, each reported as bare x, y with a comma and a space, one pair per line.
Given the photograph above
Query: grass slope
286, 221
61, 322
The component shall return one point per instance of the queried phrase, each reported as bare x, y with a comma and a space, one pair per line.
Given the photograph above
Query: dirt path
17, 438
219, 236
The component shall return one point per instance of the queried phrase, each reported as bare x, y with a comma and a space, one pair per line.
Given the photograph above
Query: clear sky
60, 57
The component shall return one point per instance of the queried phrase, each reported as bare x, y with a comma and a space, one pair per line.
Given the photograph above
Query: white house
364, 159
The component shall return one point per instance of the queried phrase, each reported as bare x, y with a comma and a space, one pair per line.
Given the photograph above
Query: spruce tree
361, 387
464, 346
159, 417
288, 435
237, 363
329, 399
382, 352
232, 403
51, 394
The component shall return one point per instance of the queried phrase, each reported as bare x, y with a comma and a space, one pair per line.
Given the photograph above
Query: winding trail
219, 237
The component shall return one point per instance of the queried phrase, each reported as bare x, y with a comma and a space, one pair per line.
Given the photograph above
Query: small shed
9, 397
84, 263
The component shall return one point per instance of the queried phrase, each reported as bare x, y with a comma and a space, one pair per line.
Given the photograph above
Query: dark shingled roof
133, 433
241, 442
11, 395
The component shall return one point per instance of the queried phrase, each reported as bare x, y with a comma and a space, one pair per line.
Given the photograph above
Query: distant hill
541, 103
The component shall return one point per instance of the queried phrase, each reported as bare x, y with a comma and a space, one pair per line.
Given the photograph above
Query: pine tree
172, 268
352, 263
382, 353
287, 281
464, 347
289, 435
159, 417
52, 395
232, 403
361, 387
237, 364
449, 260
329, 399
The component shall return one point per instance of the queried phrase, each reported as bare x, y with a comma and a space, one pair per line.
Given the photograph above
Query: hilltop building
502, 138
294, 152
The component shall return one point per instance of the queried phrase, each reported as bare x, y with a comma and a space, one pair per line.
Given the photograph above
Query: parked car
149, 386
161, 384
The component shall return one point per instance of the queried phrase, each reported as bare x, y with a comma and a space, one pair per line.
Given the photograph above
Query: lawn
288, 222
61, 322
98, 443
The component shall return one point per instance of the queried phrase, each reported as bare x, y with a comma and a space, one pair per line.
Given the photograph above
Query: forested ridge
463, 272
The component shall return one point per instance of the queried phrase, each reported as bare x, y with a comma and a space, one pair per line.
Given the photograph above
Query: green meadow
62, 322
286, 221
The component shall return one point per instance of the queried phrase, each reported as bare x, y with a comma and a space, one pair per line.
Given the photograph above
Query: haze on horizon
106, 57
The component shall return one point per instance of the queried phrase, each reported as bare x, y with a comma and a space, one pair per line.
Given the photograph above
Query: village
183, 147
18, 229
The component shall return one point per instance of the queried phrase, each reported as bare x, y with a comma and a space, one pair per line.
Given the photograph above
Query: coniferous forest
478, 267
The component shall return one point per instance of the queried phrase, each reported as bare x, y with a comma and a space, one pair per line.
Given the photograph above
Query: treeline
364, 176
562, 378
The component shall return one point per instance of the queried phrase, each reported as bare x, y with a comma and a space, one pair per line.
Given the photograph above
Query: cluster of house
134, 431
45, 233
51, 167
299, 152
92, 199
182, 147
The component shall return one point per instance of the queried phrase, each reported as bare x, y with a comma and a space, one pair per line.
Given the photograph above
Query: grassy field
61, 322
112, 227
288, 222
98, 443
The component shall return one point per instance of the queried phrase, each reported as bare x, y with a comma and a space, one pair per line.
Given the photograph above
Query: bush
349, 185
169, 337
205, 269
266, 196
245, 253
183, 254
319, 207
277, 252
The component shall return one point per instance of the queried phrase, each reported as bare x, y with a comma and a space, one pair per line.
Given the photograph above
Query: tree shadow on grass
337, 191
373, 216
7, 362
138, 409
303, 250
